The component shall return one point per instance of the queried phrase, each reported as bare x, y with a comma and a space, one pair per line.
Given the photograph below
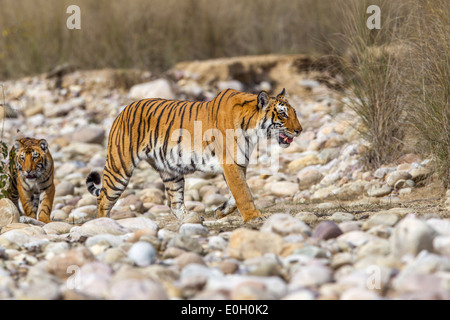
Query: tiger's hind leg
174, 185
113, 184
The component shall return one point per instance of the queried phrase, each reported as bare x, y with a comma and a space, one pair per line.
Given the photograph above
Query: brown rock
63, 264
326, 230
187, 258
246, 244
8, 212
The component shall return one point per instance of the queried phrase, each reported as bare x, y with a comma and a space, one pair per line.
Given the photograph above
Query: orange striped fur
32, 178
180, 137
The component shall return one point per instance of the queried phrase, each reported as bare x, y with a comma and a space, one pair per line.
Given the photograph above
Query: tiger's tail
94, 183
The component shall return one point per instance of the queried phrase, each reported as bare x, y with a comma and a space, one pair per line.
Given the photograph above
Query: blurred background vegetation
397, 76
154, 34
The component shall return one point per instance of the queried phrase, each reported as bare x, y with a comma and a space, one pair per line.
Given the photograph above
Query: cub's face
280, 119
31, 157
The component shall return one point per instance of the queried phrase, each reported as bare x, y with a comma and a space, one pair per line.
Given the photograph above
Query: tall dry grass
370, 64
399, 79
155, 34
426, 80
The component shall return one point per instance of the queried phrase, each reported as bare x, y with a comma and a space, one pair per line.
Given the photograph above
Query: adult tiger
31, 169
179, 137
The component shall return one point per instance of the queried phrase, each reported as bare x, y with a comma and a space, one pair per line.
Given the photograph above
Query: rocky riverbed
333, 229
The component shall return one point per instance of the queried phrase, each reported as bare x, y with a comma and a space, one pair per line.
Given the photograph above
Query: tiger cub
31, 168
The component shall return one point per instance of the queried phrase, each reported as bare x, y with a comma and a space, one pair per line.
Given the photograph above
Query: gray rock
308, 177
137, 289
54, 248
102, 225
396, 176
82, 214
307, 217
284, 188
87, 200
22, 237
138, 223
57, 227
375, 247
410, 236
142, 254
193, 229
8, 212
402, 184
326, 230
379, 191
94, 280
311, 276
440, 225
106, 239
339, 217
419, 174
58, 215
359, 294
441, 244
185, 243
214, 199
133, 203
356, 238
64, 188
285, 224
275, 287
328, 154
380, 173
43, 287
159, 88
187, 258
384, 218
217, 243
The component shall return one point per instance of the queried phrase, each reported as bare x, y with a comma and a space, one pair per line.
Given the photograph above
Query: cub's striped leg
46, 204
174, 185
28, 205
235, 178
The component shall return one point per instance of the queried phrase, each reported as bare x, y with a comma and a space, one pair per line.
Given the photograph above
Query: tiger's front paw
44, 218
219, 214
180, 213
253, 217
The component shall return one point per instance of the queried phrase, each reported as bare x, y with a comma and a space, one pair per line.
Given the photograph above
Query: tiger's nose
297, 132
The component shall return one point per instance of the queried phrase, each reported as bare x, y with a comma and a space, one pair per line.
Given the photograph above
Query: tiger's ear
282, 94
17, 145
263, 100
43, 144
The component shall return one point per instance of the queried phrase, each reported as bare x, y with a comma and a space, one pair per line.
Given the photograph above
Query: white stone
159, 88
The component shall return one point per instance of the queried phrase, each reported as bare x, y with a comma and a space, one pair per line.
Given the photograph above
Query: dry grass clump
399, 79
426, 80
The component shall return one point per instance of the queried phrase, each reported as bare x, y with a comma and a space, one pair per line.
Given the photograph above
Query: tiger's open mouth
30, 176
284, 140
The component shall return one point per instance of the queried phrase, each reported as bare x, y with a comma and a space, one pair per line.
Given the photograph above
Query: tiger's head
31, 157
278, 118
